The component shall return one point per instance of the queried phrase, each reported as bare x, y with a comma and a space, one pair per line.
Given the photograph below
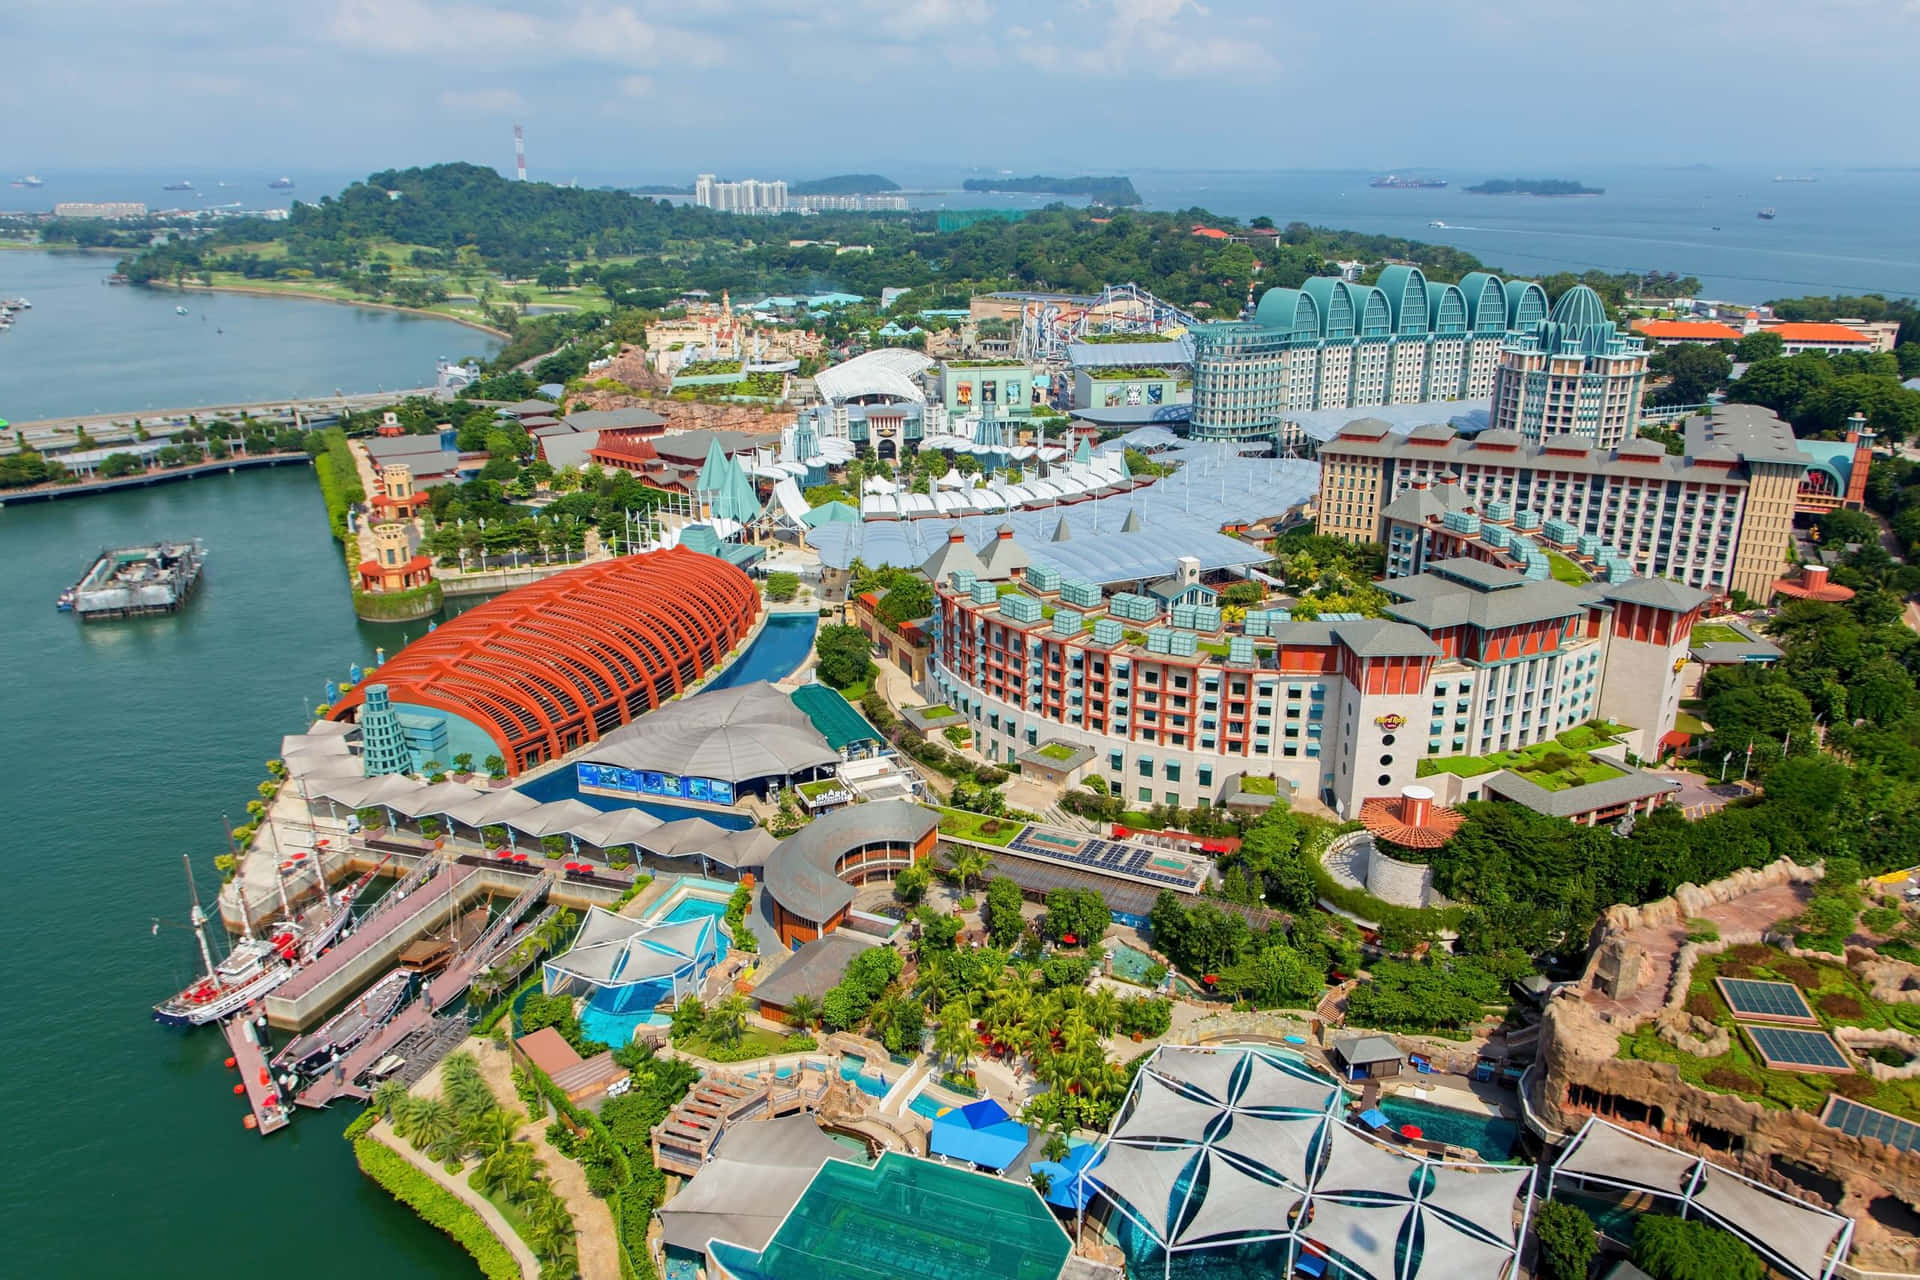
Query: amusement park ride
1048, 325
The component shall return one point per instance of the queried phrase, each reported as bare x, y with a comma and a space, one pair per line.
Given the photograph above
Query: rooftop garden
1838, 998
1056, 751
1716, 633
1252, 786
703, 368
1556, 766
986, 364
1565, 570
979, 827
1116, 338
821, 787
938, 711
1121, 373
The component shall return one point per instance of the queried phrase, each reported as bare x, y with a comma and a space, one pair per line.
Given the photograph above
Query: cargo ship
280, 184
178, 186
29, 181
1394, 182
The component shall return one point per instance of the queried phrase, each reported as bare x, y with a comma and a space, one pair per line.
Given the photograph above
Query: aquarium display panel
645, 782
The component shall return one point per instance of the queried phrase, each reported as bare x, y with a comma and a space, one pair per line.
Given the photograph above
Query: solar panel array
1851, 1117
1765, 1001
1793, 1049
1105, 855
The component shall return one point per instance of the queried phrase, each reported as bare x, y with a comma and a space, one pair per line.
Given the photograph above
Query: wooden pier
269, 1112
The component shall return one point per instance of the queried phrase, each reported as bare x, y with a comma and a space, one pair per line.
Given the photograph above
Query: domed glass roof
1579, 309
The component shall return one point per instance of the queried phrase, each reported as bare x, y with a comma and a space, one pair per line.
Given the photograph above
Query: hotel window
1145, 766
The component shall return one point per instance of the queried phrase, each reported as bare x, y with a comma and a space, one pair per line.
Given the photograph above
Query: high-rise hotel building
1576, 374
1331, 344
1718, 518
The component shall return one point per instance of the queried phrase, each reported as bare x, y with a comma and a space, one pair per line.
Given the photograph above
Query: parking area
1699, 796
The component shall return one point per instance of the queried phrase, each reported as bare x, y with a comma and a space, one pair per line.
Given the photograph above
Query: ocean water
125, 743
86, 347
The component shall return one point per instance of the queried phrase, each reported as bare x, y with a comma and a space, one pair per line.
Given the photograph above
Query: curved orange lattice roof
550, 666
1382, 816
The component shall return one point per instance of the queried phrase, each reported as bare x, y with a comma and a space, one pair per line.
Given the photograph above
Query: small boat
65, 603
1437, 223
1765, 215
180, 311
311, 1054
280, 184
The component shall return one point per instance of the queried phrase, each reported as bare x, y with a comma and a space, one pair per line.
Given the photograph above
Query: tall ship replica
257, 964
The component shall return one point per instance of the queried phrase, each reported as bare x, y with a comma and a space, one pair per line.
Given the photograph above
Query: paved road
273, 409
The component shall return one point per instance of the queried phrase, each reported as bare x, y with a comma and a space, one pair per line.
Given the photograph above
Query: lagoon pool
777, 652
854, 1069
925, 1105
1494, 1137
1130, 964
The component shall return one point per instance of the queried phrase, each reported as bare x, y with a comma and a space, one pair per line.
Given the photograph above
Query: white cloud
636, 86
482, 102
611, 34
1166, 39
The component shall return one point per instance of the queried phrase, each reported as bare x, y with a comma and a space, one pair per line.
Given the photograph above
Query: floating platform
268, 1111
133, 582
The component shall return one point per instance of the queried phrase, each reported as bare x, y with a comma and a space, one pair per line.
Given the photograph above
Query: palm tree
470, 1096
689, 1016
967, 864
485, 1132
727, 1022
550, 1228
431, 1124
804, 1010
387, 1095
1103, 1010
505, 1168
953, 1038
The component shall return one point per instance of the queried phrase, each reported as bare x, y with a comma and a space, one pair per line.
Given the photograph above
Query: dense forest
843, 184
463, 220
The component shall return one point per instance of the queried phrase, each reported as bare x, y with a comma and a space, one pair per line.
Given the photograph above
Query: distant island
1533, 187
1108, 191
656, 189
844, 184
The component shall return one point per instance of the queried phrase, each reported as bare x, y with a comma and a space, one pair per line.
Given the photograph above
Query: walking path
457, 1183
598, 1243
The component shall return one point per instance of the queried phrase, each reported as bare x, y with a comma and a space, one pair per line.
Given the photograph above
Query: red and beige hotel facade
1471, 658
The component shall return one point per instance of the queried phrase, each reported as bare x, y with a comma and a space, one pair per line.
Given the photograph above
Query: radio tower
519, 155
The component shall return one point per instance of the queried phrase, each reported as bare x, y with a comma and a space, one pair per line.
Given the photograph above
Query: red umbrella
504, 856
301, 857
1210, 978
1410, 1131
519, 857
1068, 938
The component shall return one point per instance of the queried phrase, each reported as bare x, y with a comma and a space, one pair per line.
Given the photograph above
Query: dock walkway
376, 941
263, 1095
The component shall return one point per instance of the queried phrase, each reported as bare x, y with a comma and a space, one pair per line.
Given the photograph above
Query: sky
797, 88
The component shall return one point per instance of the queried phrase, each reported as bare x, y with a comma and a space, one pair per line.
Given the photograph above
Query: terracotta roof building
549, 667
1669, 332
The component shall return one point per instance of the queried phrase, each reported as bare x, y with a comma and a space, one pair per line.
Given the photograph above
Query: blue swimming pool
777, 652
925, 1105
615, 1027
854, 1069
1493, 1137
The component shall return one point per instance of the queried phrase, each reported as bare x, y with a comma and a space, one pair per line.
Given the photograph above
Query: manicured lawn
1056, 751
1529, 762
755, 1043
938, 711
1258, 787
969, 826
1214, 647
1688, 723
1565, 570
1715, 633
814, 790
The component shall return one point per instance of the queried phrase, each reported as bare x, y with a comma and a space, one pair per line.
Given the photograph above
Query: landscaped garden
1715, 633
1837, 996
1553, 766
1059, 751
1565, 570
1252, 786
978, 826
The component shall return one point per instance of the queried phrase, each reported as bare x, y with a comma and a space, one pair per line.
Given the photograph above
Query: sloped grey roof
758, 1173
1660, 593
813, 969
1379, 638
749, 731
800, 873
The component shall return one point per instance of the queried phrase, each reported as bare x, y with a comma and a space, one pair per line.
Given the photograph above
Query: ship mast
199, 919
